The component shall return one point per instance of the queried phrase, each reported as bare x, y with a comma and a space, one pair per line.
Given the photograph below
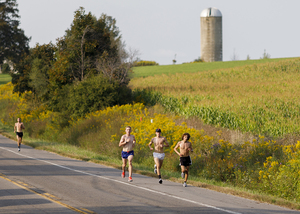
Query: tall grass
263, 99
4, 78
195, 67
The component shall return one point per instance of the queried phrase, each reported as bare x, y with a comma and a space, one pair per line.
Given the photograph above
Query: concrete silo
211, 35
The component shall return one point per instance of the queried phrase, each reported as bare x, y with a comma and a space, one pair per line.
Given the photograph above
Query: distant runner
158, 154
128, 142
185, 159
18, 129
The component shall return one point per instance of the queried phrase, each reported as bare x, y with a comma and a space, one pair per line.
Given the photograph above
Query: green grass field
259, 98
4, 78
145, 71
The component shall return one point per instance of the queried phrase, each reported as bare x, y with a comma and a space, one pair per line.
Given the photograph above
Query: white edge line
139, 187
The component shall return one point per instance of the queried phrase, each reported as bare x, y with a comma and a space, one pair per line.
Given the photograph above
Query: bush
90, 95
145, 63
195, 61
198, 60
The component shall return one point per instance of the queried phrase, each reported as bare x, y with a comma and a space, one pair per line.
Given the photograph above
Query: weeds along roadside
247, 165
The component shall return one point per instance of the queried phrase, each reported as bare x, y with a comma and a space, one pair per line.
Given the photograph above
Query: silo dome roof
211, 11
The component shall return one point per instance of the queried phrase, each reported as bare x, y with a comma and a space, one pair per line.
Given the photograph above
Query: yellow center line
45, 195
87, 210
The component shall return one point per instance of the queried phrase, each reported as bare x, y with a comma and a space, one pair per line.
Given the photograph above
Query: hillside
145, 71
261, 98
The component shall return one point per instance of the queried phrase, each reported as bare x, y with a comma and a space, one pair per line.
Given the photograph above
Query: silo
211, 35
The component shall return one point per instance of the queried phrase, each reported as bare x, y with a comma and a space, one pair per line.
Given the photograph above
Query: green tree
34, 70
86, 71
265, 55
86, 41
13, 42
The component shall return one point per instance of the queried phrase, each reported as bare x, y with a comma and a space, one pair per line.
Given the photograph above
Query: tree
34, 70
174, 60
117, 68
266, 55
234, 56
13, 42
69, 77
86, 41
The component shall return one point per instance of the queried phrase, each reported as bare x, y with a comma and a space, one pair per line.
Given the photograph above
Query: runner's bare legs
158, 165
127, 141
18, 129
159, 143
130, 165
124, 164
185, 170
19, 141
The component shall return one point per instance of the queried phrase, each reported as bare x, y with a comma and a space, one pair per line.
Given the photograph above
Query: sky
163, 30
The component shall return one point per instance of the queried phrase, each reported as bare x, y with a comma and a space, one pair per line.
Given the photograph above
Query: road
35, 181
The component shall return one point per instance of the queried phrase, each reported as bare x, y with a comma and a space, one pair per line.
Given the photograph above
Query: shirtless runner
185, 159
18, 129
158, 154
128, 142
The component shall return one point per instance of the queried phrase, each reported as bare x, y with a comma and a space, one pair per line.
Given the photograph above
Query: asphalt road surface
34, 181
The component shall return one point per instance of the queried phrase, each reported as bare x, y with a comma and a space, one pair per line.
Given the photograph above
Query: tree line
87, 69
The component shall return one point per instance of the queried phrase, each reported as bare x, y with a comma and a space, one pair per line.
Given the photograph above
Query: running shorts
125, 155
20, 134
160, 156
185, 161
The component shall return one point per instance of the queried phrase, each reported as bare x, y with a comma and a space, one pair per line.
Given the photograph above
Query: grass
86, 155
145, 71
263, 97
4, 78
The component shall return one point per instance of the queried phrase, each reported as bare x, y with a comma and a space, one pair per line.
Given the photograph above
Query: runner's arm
122, 141
166, 144
191, 148
150, 144
22, 125
175, 148
133, 141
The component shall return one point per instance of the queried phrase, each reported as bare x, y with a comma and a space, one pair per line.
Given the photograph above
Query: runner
128, 142
185, 159
158, 154
18, 129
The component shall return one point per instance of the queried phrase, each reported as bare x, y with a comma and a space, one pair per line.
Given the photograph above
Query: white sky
159, 29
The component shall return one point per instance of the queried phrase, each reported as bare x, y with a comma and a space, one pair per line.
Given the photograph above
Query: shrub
145, 63
91, 95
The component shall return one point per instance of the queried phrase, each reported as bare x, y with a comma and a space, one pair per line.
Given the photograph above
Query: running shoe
160, 181
184, 184
123, 175
155, 169
19, 149
182, 174
130, 179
